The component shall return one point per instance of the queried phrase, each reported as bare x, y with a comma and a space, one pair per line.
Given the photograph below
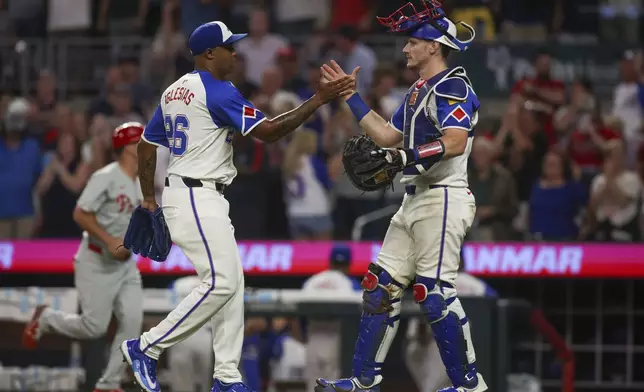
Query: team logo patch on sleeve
250, 112
459, 114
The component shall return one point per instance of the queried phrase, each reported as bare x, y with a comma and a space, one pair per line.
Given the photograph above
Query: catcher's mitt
366, 169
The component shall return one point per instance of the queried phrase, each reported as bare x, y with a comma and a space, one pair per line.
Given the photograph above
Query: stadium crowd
557, 166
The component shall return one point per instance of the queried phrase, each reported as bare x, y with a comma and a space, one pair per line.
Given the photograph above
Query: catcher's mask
429, 22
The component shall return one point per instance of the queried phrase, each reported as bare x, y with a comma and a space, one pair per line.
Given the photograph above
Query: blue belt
411, 189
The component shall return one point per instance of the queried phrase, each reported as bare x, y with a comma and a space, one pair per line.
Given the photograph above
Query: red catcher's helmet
127, 133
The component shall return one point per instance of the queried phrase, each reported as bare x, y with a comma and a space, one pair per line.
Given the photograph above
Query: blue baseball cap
210, 35
340, 254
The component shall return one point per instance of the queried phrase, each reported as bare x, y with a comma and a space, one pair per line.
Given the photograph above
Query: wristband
358, 107
427, 153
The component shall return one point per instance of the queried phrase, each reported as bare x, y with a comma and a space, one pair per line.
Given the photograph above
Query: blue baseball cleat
143, 367
220, 386
343, 385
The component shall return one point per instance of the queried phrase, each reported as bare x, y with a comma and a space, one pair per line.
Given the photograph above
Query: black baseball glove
148, 234
369, 167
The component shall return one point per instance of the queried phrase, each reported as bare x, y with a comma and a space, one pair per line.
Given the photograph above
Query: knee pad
447, 326
378, 324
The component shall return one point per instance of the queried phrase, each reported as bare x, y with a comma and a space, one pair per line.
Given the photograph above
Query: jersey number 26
176, 132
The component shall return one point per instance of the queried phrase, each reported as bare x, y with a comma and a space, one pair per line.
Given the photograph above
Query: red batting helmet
127, 133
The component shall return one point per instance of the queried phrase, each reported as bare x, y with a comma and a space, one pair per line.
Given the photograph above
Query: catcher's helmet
430, 23
127, 133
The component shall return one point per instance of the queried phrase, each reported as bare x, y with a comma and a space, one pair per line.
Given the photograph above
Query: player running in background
197, 118
435, 126
323, 337
422, 356
105, 273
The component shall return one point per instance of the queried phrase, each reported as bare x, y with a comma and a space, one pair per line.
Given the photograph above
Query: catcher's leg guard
378, 326
451, 331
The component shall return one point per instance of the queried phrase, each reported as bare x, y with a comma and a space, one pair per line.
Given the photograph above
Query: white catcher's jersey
196, 119
446, 100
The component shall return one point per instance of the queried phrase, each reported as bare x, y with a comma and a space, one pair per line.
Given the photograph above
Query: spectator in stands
58, 188
270, 95
542, 92
319, 121
556, 200
100, 142
21, 167
352, 53
289, 66
46, 103
306, 180
588, 144
238, 78
384, 90
101, 104
581, 106
141, 93
522, 148
626, 105
168, 42
122, 103
261, 47
616, 200
495, 193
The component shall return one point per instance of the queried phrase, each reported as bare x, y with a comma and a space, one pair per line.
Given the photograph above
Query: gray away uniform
105, 285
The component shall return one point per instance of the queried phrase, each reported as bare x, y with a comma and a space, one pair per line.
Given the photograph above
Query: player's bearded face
417, 52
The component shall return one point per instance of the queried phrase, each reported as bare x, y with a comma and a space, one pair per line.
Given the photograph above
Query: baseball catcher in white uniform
105, 273
422, 245
197, 118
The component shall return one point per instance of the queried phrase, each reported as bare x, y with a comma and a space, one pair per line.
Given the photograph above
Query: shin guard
378, 324
451, 330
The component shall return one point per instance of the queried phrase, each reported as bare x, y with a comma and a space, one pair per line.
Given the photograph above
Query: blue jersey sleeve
155, 132
397, 121
456, 104
229, 108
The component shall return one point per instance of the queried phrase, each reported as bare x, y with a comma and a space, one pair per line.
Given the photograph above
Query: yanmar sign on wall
307, 258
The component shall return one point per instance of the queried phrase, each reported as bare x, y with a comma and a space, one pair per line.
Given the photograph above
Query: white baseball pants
199, 224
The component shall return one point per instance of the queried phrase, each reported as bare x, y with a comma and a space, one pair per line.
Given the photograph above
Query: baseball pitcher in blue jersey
422, 245
196, 119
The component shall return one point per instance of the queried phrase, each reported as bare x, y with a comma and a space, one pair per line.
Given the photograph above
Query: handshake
334, 83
